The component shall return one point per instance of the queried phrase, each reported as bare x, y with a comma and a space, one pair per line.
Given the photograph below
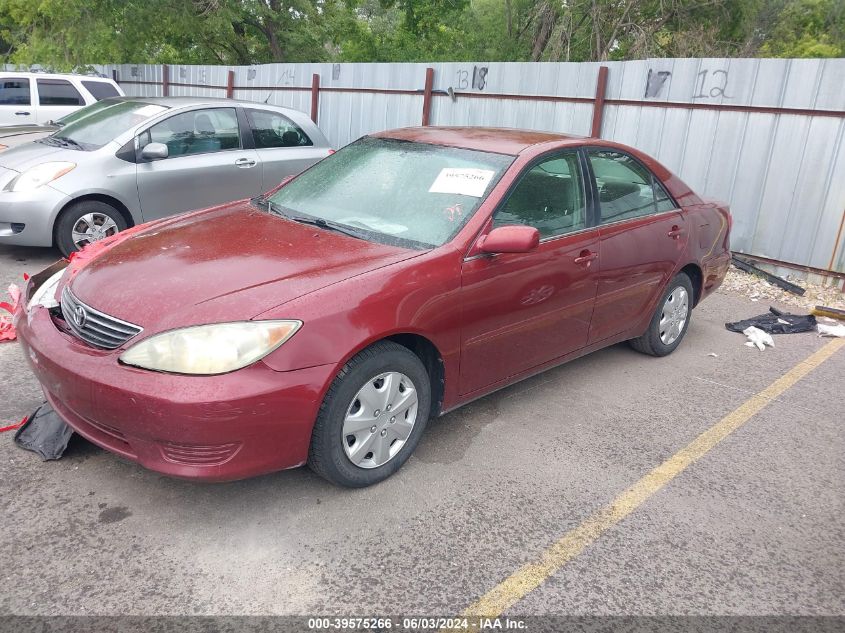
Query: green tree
808, 28
65, 34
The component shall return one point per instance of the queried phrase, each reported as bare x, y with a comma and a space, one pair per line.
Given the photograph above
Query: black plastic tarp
44, 433
777, 322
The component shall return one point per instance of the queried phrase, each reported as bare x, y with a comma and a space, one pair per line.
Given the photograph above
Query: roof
486, 139
40, 74
177, 102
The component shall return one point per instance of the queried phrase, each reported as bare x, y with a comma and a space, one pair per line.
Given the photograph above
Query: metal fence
765, 135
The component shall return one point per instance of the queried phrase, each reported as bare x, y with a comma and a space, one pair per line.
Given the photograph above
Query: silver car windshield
92, 129
398, 192
88, 110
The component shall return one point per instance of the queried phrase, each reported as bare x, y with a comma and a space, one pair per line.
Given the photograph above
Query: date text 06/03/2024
425, 623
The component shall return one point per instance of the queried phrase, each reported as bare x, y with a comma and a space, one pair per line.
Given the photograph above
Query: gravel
756, 288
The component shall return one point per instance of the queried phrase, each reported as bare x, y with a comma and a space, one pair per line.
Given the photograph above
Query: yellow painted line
530, 576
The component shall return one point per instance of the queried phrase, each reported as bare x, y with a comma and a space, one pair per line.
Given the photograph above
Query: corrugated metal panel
782, 174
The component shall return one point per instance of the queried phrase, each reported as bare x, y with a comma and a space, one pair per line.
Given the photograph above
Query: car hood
22, 157
227, 263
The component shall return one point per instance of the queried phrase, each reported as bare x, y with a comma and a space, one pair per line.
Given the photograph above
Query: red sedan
327, 322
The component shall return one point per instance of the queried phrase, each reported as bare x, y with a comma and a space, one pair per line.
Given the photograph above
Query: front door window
549, 197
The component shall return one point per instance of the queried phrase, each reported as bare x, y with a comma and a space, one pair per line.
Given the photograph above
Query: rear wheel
670, 321
85, 222
372, 417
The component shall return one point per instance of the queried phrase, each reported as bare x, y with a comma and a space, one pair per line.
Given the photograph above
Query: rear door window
626, 188
196, 132
271, 129
14, 91
100, 89
58, 92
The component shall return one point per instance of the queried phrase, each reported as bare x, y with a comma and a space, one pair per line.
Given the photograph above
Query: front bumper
215, 428
27, 217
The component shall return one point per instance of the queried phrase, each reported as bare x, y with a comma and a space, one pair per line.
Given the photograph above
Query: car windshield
95, 126
84, 112
397, 192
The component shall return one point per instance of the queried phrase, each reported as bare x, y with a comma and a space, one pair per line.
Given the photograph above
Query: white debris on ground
831, 328
758, 289
758, 338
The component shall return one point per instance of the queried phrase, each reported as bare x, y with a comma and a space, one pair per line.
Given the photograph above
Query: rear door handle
22, 113
675, 233
586, 257
245, 162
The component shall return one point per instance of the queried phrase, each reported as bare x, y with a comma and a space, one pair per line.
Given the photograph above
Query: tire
657, 340
343, 458
103, 214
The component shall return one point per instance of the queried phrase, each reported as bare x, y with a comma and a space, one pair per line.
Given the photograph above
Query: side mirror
154, 151
510, 239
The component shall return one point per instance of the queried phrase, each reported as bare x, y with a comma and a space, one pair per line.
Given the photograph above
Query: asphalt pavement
754, 526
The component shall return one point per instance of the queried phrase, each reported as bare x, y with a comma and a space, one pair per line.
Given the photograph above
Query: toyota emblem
79, 316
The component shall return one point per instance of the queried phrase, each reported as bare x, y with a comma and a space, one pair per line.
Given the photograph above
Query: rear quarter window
100, 89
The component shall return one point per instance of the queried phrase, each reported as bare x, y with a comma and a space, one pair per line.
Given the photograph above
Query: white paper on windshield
150, 110
461, 180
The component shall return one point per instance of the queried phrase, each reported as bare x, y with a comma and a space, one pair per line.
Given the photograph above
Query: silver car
127, 160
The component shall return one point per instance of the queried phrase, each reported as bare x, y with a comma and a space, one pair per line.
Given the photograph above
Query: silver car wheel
92, 227
380, 419
674, 315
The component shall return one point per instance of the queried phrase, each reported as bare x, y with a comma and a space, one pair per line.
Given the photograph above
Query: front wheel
670, 320
85, 222
372, 417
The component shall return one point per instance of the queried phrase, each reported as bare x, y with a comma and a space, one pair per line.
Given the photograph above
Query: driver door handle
586, 257
22, 113
245, 162
675, 233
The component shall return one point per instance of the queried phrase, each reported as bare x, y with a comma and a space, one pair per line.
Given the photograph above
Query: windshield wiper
60, 141
329, 225
68, 142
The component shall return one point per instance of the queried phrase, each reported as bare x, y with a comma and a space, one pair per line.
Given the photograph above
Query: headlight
39, 175
210, 349
45, 295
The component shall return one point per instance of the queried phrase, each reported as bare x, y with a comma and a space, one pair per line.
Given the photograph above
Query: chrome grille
94, 327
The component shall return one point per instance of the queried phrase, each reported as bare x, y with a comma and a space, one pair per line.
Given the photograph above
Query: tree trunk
510, 18
276, 51
547, 20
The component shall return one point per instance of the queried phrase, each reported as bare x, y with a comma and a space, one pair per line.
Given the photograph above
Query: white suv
35, 98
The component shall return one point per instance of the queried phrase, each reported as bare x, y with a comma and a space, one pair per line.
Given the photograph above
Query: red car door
642, 235
521, 310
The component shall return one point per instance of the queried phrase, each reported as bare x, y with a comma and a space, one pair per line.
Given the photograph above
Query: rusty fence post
429, 84
165, 80
230, 85
315, 96
598, 104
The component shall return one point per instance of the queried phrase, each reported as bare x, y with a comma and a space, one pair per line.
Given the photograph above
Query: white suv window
14, 91
58, 92
100, 89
